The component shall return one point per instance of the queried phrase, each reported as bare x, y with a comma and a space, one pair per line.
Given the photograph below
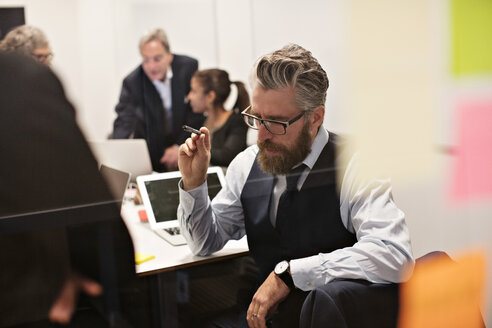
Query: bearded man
321, 238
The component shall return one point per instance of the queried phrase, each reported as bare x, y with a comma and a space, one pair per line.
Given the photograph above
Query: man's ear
317, 117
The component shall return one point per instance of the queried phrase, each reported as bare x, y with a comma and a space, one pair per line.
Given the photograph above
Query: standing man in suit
152, 102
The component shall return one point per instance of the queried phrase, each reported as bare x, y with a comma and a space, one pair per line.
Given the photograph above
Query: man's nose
263, 133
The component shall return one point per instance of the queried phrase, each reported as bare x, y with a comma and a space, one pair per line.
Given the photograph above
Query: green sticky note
471, 28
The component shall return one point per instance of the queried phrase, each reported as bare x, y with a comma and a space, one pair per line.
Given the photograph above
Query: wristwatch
282, 270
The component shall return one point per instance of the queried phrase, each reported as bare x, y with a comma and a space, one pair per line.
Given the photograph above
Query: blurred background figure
152, 101
30, 41
213, 94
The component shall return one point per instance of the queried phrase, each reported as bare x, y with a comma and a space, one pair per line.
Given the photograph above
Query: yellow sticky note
444, 293
141, 257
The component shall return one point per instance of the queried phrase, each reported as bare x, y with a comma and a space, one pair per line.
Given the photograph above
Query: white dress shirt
164, 89
383, 250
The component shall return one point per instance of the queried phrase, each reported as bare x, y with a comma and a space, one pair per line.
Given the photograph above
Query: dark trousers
287, 315
339, 304
351, 304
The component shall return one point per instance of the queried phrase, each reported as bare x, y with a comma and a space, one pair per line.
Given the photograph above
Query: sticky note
472, 161
142, 257
143, 216
444, 293
471, 35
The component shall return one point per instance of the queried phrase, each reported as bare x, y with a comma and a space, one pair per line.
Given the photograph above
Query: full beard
283, 162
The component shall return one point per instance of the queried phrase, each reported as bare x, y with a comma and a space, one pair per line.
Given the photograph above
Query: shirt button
309, 284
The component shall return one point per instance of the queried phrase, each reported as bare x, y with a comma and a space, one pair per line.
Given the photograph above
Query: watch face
281, 267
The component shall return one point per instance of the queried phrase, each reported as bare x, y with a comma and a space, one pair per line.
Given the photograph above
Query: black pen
191, 130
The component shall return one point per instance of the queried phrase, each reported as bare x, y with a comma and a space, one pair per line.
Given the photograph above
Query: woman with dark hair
221, 100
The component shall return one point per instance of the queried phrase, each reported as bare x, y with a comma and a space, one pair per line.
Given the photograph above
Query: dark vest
313, 226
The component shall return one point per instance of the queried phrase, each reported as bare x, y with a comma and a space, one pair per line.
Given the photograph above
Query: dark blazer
141, 112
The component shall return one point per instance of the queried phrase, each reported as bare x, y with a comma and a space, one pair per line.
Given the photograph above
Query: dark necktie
285, 200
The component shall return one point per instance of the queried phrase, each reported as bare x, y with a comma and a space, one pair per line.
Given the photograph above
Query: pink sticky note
472, 160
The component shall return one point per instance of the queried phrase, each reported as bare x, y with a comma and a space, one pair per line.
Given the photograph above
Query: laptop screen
117, 181
164, 195
160, 195
129, 155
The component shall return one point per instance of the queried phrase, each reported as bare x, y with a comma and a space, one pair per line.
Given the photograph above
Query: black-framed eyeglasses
273, 126
43, 57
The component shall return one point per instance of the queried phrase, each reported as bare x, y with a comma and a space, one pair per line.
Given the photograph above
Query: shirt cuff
187, 199
307, 273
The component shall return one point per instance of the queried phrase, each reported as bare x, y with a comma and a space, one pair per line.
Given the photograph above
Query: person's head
156, 54
211, 89
30, 41
289, 85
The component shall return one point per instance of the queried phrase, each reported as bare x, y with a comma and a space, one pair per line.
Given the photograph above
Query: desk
168, 259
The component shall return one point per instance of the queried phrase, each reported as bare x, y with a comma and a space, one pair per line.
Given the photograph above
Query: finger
249, 316
252, 316
61, 311
206, 132
261, 318
186, 149
90, 286
191, 144
202, 143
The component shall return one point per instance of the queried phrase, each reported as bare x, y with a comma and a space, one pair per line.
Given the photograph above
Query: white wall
95, 46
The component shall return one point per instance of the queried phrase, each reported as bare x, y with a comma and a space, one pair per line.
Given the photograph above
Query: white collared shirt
164, 89
380, 255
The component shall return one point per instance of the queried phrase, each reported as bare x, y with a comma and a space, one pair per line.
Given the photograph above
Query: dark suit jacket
141, 112
46, 165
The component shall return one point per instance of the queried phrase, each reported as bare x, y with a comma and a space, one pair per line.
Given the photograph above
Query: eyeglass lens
272, 127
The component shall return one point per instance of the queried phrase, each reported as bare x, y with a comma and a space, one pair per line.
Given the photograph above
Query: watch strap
287, 279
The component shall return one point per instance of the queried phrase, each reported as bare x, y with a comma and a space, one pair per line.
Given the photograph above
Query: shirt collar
317, 146
167, 80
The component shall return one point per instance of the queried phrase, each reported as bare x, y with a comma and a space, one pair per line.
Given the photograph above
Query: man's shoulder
240, 167
135, 75
184, 60
244, 160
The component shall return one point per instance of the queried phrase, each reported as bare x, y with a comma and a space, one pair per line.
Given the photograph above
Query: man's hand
265, 301
170, 158
62, 309
193, 159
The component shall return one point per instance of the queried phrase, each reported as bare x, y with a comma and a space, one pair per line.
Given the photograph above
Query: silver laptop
116, 180
160, 196
129, 155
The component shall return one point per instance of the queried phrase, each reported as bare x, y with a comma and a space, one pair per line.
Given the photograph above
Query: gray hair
24, 39
293, 67
155, 34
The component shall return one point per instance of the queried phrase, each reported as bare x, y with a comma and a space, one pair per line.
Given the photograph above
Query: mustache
267, 144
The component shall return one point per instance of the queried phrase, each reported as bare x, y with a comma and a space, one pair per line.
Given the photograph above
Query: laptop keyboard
173, 231
172, 235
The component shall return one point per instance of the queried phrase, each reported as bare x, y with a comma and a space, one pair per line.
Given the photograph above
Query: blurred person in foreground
152, 102
328, 244
48, 171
